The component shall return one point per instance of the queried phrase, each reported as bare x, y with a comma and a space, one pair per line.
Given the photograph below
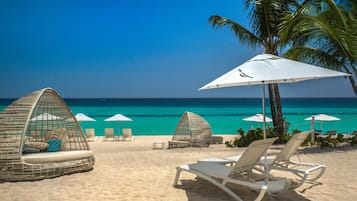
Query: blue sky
129, 49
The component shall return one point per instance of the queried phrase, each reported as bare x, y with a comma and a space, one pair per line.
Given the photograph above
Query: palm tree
323, 32
265, 17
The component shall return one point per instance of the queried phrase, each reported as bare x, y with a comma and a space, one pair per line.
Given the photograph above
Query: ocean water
160, 116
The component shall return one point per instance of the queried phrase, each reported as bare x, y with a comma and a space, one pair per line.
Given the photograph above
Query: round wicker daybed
40, 138
192, 130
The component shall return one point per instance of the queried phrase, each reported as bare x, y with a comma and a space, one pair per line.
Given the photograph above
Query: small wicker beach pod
33, 119
193, 128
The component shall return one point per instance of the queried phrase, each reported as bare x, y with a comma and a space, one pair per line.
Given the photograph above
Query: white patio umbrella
321, 118
268, 69
47, 120
258, 118
118, 118
46, 117
83, 117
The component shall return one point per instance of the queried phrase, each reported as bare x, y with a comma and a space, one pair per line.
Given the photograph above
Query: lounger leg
322, 170
302, 181
261, 194
306, 175
178, 172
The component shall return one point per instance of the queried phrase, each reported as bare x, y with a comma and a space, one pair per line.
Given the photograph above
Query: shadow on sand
345, 147
200, 189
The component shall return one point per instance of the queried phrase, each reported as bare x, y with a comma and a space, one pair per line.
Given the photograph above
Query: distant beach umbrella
323, 117
83, 117
45, 121
258, 118
270, 69
46, 117
320, 117
118, 118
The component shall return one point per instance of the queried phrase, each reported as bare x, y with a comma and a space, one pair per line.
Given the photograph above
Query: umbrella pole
312, 130
118, 131
264, 132
263, 105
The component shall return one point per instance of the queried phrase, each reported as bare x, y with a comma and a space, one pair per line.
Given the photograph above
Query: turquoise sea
160, 116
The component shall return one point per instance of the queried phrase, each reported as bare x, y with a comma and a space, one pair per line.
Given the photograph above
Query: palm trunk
276, 111
280, 129
272, 104
353, 84
351, 78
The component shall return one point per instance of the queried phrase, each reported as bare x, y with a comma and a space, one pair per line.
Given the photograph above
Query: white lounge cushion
60, 156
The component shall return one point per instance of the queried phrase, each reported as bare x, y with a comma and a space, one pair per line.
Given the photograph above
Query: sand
133, 171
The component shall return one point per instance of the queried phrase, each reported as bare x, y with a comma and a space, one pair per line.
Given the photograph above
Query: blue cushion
26, 149
54, 145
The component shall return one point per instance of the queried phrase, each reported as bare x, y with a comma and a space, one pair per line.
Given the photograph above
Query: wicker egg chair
35, 120
192, 130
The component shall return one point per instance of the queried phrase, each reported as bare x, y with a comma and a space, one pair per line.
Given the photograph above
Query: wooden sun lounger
178, 144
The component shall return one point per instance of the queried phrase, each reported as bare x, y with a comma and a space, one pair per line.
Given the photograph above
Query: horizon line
347, 97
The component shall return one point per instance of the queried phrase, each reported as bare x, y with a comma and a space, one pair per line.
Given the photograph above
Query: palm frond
313, 56
243, 34
289, 20
319, 27
321, 58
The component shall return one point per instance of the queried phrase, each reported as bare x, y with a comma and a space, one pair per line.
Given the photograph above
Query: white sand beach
128, 171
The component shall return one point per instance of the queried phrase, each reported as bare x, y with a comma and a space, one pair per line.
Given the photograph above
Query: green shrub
323, 142
246, 139
334, 141
354, 140
340, 138
229, 143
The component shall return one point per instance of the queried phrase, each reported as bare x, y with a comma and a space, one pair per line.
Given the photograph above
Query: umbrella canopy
258, 118
268, 69
83, 117
118, 117
46, 117
323, 117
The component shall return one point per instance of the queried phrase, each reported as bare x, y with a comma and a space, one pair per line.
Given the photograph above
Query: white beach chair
239, 174
109, 134
90, 134
282, 161
127, 134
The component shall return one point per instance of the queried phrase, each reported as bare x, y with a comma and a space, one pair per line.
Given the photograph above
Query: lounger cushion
54, 145
37, 145
27, 149
60, 156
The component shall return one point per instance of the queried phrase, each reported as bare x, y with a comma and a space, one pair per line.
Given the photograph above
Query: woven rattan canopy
33, 119
193, 128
